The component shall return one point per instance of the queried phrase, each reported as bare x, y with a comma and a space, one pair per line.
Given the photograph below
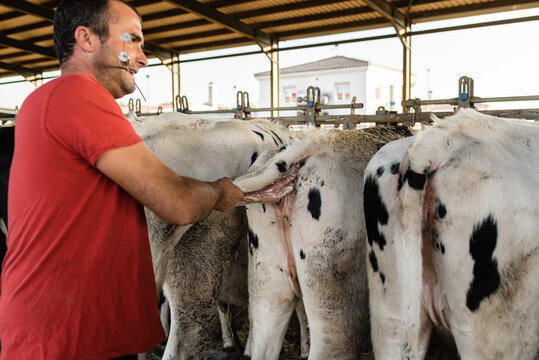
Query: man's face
120, 82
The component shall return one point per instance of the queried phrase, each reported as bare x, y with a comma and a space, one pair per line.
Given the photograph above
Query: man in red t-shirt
77, 280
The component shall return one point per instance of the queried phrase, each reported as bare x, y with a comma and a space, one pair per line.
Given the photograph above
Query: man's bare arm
176, 199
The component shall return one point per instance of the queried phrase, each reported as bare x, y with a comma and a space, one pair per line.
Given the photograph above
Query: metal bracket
349, 123
240, 104
246, 105
465, 92
313, 99
182, 105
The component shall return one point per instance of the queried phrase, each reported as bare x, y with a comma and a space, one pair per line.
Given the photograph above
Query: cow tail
272, 165
409, 258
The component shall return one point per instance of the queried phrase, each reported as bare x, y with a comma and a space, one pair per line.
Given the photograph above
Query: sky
503, 61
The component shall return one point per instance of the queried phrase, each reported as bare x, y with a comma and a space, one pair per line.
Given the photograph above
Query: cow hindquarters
328, 244
335, 295
271, 296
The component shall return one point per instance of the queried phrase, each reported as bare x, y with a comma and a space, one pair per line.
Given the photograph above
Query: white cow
453, 236
310, 246
191, 271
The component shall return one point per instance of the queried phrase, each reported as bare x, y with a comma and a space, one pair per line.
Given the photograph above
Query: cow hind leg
267, 335
336, 299
270, 308
304, 329
228, 336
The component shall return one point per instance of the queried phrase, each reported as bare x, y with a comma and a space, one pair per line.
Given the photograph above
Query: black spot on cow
254, 157
259, 134
395, 168
380, 171
375, 212
486, 278
442, 248
373, 260
415, 180
301, 254
315, 203
322, 183
271, 134
277, 136
264, 207
253, 241
441, 211
400, 183
382, 277
281, 166
283, 148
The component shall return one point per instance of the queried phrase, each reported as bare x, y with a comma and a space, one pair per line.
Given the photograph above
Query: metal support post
36, 79
275, 75
406, 67
174, 67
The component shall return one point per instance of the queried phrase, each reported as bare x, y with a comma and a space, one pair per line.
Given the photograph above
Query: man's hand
230, 194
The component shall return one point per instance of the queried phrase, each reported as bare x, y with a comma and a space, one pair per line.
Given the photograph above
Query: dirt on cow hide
442, 346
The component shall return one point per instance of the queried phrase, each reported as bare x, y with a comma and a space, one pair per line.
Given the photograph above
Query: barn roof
174, 27
336, 62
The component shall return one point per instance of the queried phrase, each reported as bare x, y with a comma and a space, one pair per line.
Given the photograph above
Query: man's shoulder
78, 83
69, 87
79, 90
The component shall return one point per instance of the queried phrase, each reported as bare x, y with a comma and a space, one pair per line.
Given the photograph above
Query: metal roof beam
27, 27
23, 71
160, 52
29, 8
218, 17
388, 11
48, 52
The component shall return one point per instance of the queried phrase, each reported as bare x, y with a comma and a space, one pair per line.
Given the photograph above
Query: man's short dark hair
71, 14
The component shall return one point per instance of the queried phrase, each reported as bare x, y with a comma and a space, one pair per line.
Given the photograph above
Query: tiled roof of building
336, 62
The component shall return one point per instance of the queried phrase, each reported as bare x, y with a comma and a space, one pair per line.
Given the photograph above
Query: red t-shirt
77, 279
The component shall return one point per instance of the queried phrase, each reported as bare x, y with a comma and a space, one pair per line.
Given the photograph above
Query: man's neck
71, 67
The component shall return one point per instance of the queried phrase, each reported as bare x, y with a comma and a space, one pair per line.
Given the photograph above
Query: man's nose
141, 59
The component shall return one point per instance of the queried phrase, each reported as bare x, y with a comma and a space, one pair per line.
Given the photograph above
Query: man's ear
85, 38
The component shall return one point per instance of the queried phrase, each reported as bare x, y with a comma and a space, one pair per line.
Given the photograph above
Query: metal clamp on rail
416, 105
465, 92
242, 105
349, 123
313, 99
239, 105
182, 105
135, 107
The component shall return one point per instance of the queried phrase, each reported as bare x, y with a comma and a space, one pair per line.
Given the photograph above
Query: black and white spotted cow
192, 271
7, 141
453, 239
310, 245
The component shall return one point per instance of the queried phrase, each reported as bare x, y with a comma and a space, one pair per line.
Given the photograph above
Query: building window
377, 92
290, 95
343, 91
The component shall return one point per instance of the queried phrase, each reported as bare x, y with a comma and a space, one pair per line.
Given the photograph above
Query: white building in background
339, 79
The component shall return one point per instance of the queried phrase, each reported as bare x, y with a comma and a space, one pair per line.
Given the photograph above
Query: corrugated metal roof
175, 27
332, 63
